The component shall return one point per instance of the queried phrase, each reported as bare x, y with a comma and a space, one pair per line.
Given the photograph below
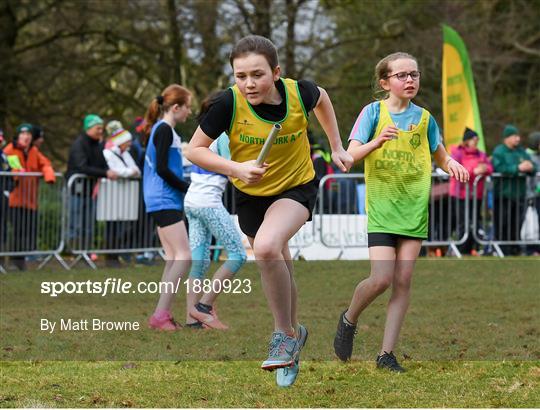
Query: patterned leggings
205, 223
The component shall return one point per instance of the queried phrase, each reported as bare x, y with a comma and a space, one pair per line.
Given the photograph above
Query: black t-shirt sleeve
219, 115
309, 92
163, 139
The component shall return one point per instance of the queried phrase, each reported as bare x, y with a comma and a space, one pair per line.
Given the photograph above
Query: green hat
91, 120
509, 130
24, 127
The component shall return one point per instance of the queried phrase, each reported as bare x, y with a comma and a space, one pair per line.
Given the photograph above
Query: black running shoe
389, 361
343, 342
195, 325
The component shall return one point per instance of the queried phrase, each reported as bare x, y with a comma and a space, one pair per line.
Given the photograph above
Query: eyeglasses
402, 76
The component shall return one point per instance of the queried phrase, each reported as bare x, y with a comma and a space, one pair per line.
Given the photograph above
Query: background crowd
110, 150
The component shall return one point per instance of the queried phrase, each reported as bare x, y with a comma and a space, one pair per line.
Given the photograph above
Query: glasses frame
409, 74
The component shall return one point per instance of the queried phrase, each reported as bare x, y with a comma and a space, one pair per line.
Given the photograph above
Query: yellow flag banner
460, 107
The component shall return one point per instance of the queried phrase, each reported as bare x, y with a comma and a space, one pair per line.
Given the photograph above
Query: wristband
448, 161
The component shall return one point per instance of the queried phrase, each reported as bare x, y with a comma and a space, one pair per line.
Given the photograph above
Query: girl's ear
276, 73
384, 84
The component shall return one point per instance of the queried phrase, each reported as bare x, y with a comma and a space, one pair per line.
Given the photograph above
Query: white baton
268, 144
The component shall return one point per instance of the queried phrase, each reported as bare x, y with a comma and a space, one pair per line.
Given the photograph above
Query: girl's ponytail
171, 95
150, 118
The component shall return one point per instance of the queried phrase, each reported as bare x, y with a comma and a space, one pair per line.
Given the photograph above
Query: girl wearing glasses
396, 139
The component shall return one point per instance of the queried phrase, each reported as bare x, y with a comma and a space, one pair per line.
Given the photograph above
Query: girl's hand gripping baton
268, 144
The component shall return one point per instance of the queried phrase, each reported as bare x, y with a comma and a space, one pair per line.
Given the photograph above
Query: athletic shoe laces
390, 360
347, 332
277, 345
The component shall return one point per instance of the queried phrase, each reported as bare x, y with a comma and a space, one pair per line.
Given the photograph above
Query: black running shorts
251, 209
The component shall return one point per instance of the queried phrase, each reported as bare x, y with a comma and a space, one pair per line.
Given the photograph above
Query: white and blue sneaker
283, 351
286, 376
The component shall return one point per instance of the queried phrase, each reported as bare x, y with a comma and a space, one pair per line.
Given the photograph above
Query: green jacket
506, 161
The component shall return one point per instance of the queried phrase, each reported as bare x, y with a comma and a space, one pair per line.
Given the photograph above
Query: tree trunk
262, 17
8, 76
176, 42
207, 16
290, 62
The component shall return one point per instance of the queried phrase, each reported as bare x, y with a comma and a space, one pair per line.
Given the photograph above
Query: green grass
242, 384
470, 339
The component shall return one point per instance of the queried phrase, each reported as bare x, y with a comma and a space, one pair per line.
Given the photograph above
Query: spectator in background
511, 160
534, 153
145, 234
120, 161
3, 159
86, 157
322, 163
534, 186
476, 163
137, 149
23, 199
111, 128
119, 152
118, 157
38, 136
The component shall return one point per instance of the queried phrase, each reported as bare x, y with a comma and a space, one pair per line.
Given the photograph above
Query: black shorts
386, 239
167, 217
251, 209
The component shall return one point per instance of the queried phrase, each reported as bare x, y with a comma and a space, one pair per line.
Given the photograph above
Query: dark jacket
506, 161
86, 157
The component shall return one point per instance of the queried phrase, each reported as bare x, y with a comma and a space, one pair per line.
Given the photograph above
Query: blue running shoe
286, 376
282, 352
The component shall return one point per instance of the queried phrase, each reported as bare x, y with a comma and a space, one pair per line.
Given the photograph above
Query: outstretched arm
450, 165
324, 111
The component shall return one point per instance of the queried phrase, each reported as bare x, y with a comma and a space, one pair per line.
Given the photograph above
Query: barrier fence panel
100, 216
107, 217
342, 221
338, 221
501, 204
303, 238
31, 216
449, 215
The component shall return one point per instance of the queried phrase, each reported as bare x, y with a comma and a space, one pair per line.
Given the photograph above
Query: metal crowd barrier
339, 221
304, 238
449, 214
342, 221
100, 216
31, 216
500, 212
107, 217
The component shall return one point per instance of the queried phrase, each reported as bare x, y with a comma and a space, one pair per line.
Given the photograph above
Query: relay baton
268, 144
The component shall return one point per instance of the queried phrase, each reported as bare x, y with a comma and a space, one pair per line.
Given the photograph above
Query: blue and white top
207, 187
366, 123
158, 194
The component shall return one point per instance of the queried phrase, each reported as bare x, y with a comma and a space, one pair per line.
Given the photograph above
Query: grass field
470, 339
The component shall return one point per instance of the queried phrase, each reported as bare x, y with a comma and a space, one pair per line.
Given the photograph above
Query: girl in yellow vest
395, 138
274, 200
